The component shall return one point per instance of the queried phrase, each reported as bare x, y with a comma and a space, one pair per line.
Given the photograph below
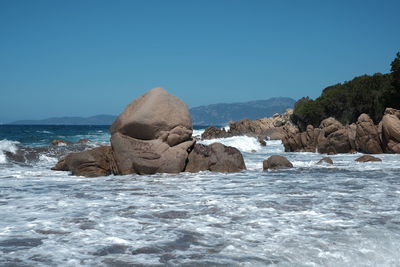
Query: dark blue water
42, 135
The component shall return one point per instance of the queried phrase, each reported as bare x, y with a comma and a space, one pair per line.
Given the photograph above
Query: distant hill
94, 120
216, 114
220, 114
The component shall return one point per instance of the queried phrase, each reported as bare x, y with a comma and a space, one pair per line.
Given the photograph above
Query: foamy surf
243, 143
7, 146
311, 215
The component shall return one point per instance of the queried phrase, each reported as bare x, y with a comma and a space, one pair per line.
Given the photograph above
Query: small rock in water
367, 158
277, 162
262, 141
326, 160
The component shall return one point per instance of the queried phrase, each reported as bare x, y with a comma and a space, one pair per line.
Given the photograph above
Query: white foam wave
7, 146
45, 132
243, 143
198, 133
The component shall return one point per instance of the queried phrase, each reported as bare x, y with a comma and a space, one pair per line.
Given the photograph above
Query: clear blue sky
81, 58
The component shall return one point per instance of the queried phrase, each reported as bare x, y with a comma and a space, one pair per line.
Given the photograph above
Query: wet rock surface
276, 162
215, 157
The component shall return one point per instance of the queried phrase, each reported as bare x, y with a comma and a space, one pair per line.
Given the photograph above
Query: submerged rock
215, 157
325, 160
367, 158
277, 162
61, 142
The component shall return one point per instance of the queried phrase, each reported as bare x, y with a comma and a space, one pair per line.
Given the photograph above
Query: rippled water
347, 214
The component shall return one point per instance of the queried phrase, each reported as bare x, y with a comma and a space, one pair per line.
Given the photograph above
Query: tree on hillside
396, 71
393, 95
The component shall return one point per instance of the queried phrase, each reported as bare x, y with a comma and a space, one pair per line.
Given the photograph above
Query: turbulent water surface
347, 214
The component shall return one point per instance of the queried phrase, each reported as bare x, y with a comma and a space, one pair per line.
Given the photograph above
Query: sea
345, 214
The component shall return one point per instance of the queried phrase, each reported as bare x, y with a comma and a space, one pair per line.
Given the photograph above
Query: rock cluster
152, 135
273, 128
364, 136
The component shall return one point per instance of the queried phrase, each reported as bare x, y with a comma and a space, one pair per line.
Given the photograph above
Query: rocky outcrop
265, 128
213, 132
276, 162
152, 135
334, 138
364, 136
368, 158
91, 163
367, 137
390, 131
330, 138
215, 157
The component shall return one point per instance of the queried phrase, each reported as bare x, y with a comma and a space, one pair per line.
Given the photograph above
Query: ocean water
347, 214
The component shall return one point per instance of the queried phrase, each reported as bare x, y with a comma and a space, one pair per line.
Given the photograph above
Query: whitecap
243, 143
7, 146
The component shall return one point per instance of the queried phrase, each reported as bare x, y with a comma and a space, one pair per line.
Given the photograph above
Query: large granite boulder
367, 137
215, 157
276, 162
152, 135
155, 114
90, 163
149, 156
334, 138
390, 131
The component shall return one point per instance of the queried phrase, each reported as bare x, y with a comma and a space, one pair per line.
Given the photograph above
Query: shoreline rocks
152, 135
331, 137
266, 128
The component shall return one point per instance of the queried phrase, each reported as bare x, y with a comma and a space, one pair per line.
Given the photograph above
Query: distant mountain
94, 120
220, 114
216, 114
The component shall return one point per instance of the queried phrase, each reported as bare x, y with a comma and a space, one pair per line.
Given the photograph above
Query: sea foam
7, 146
243, 143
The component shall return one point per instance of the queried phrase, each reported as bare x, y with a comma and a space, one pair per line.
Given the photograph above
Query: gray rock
367, 158
367, 136
154, 115
325, 160
90, 163
149, 156
215, 157
277, 162
391, 131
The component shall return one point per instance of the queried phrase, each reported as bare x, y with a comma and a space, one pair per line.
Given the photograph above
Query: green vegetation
345, 102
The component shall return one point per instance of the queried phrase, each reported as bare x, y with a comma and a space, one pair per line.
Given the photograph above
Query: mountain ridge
206, 115
222, 113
